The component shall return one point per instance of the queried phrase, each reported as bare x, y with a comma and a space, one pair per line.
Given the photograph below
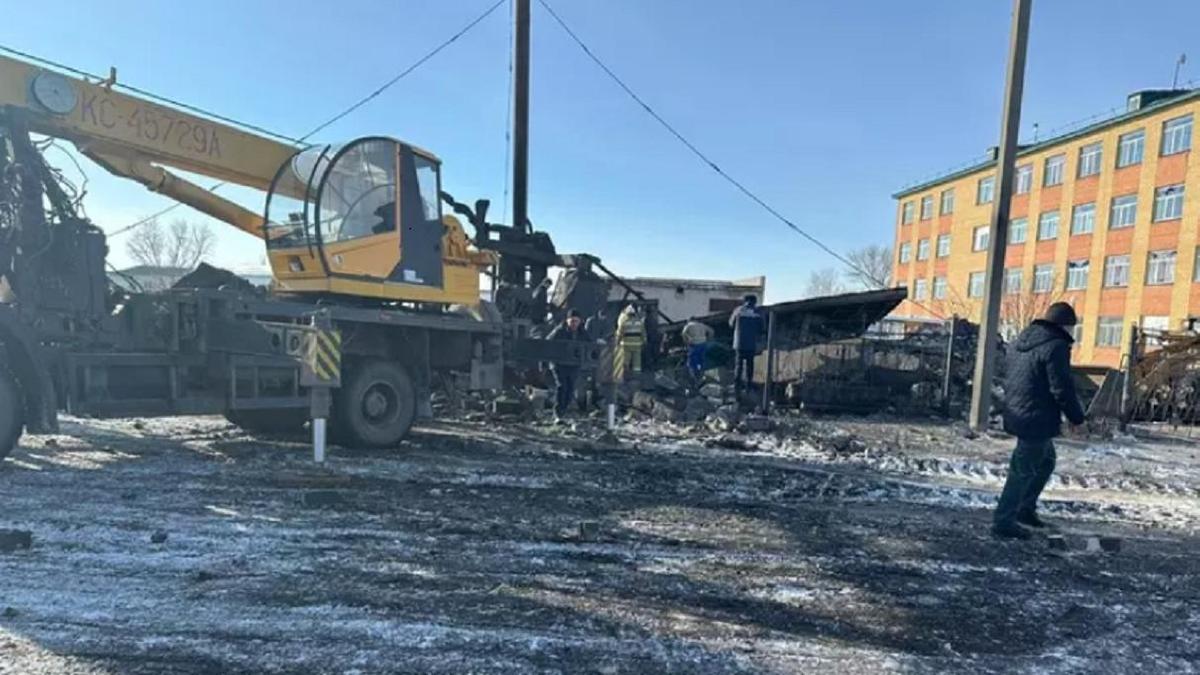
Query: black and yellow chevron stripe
326, 355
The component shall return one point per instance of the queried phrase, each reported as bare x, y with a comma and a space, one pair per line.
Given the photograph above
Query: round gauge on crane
54, 92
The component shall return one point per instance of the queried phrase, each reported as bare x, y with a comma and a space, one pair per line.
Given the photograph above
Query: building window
1129, 148
926, 207
923, 249
1124, 212
975, 285
1012, 280
1043, 278
1168, 203
1108, 331
1017, 230
1116, 271
1083, 218
1077, 275
906, 213
1048, 226
943, 249
981, 239
986, 191
947, 202
1155, 326
1054, 170
1024, 179
905, 252
1077, 331
939, 288
1160, 268
1089, 159
1177, 135
921, 289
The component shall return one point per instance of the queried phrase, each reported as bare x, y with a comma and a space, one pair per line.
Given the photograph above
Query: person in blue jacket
1038, 392
747, 323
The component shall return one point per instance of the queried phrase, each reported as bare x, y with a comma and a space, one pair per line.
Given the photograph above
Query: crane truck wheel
269, 421
12, 412
375, 406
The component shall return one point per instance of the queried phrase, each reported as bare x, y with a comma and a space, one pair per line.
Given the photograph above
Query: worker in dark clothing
747, 324
565, 376
1038, 391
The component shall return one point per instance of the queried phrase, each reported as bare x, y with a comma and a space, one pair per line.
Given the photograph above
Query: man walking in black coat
566, 376
1038, 391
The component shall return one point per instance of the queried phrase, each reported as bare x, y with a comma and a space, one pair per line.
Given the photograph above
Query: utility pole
520, 203
985, 355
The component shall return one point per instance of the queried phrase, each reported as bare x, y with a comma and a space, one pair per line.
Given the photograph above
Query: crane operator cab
365, 219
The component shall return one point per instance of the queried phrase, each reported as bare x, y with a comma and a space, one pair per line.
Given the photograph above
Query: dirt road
478, 548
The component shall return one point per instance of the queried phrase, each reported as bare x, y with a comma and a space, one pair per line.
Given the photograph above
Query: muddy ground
185, 546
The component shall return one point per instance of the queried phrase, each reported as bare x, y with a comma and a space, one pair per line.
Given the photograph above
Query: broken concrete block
666, 383
507, 406
11, 540
643, 401
664, 412
318, 498
712, 390
721, 376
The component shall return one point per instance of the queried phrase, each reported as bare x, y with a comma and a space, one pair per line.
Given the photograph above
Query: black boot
1009, 531
1030, 519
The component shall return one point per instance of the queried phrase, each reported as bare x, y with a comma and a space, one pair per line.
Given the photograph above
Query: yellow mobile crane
355, 237
361, 219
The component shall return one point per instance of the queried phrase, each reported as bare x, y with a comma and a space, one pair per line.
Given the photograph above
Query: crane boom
135, 138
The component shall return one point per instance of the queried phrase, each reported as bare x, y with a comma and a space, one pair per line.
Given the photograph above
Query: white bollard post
612, 416
318, 428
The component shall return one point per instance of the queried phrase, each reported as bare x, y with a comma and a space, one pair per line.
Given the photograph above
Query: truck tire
375, 406
12, 412
269, 421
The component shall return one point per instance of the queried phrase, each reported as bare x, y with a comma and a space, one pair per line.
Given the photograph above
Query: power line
406, 71
703, 157
296, 141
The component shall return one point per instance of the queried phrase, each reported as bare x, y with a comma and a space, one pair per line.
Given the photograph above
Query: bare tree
825, 281
180, 246
1018, 307
872, 266
173, 250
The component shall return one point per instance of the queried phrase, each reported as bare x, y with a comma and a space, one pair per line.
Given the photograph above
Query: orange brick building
1104, 217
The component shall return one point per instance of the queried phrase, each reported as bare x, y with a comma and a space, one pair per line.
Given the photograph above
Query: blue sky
824, 108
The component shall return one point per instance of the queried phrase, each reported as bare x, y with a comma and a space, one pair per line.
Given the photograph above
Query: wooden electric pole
985, 355
520, 168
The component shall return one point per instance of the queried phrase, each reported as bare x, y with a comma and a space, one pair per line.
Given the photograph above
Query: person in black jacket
1038, 391
566, 376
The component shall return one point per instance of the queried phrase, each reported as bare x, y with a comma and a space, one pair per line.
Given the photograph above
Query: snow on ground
485, 547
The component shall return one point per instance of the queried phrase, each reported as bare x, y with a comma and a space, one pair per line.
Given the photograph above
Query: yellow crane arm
131, 137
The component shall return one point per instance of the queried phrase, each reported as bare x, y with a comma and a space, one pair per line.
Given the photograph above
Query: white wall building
682, 299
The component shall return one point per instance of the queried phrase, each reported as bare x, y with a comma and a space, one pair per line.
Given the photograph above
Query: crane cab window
427, 182
359, 194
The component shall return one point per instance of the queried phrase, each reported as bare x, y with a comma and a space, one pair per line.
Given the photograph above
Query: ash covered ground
184, 545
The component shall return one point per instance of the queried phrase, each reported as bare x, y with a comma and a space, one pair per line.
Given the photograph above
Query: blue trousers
695, 358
